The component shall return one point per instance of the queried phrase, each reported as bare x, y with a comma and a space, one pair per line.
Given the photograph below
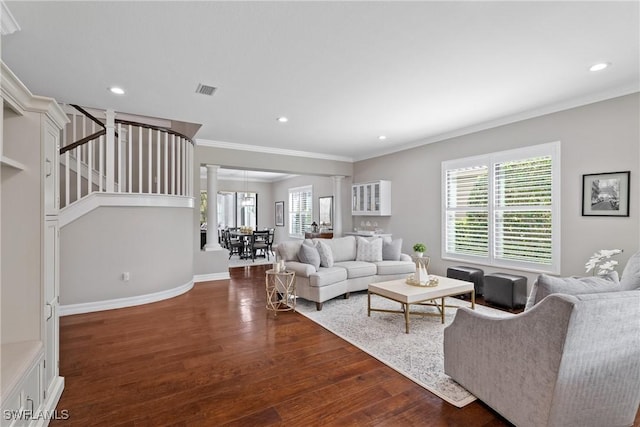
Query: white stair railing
116, 156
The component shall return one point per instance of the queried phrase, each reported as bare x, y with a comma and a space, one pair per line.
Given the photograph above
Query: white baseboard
212, 276
89, 307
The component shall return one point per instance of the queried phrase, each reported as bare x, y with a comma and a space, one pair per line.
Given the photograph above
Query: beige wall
601, 137
152, 244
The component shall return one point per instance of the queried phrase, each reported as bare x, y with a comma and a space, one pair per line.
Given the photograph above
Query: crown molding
8, 23
269, 150
526, 115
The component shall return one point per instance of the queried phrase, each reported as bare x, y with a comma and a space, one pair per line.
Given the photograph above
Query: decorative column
337, 205
212, 209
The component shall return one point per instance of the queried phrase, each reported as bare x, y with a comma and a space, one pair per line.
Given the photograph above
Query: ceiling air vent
205, 90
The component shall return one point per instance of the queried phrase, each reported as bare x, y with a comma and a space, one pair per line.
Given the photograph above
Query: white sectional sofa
342, 265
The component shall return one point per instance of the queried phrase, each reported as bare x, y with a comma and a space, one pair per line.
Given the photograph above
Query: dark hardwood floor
214, 357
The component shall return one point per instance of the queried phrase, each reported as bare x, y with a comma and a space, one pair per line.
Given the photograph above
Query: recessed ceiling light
382, 137
599, 67
283, 119
116, 90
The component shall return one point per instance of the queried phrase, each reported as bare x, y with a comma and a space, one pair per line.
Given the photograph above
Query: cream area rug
417, 355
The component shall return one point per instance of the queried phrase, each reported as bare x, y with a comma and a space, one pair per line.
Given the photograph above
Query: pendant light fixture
246, 200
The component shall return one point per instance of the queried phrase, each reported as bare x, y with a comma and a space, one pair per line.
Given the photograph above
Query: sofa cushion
391, 250
547, 285
308, 254
326, 256
288, 250
357, 268
342, 248
370, 251
630, 279
327, 276
395, 267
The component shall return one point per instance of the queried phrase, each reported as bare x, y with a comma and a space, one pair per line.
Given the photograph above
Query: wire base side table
281, 291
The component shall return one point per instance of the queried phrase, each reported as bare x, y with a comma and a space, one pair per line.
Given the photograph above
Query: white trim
8, 24
198, 278
20, 99
53, 397
270, 150
89, 307
502, 121
489, 160
95, 200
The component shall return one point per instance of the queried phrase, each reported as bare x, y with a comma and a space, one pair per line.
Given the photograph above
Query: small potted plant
419, 249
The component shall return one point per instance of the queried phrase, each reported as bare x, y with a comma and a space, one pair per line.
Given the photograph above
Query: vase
419, 254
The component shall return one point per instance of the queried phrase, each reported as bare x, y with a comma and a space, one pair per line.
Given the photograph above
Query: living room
596, 129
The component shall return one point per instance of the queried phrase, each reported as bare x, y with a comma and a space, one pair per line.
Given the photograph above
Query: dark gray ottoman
507, 290
468, 274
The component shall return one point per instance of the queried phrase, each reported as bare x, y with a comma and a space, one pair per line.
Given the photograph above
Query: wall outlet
126, 276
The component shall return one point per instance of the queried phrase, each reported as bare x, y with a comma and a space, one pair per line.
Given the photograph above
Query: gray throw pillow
391, 250
309, 255
326, 256
547, 285
630, 279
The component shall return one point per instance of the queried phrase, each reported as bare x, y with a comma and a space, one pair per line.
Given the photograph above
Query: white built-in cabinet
29, 340
371, 198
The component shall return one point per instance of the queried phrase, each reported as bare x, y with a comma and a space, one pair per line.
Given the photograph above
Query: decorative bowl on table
431, 283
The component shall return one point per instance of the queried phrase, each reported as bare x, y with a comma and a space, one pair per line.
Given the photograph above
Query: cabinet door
50, 260
51, 348
376, 197
51, 292
51, 165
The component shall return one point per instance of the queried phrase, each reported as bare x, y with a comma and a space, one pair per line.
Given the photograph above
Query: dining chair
235, 246
259, 242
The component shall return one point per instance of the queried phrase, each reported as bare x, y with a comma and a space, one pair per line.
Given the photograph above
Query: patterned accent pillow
309, 255
370, 251
326, 256
391, 250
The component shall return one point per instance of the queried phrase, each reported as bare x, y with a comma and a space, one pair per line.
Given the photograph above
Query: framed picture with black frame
280, 214
606, 194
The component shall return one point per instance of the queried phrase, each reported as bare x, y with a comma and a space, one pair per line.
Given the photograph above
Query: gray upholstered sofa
568, 360
345, 264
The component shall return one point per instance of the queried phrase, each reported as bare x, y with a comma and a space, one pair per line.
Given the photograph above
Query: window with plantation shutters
300, 210
503, 208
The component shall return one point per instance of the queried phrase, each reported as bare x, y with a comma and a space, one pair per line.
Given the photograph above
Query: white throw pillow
370, 251
326, 256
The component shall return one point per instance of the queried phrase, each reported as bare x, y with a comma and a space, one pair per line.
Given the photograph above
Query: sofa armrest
301, 269
405, 257
508, 361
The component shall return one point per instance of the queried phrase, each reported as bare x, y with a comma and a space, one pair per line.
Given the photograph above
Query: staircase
102, 155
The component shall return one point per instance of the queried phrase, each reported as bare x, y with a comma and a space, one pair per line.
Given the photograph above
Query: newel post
111, 149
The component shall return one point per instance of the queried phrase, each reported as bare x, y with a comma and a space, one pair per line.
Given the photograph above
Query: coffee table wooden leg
442, 311
473, 299
368, 304
406, 318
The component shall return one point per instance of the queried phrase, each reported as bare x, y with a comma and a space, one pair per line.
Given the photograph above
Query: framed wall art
606, 194
280, 214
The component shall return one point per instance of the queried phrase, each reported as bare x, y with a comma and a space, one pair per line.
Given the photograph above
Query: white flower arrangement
601, 262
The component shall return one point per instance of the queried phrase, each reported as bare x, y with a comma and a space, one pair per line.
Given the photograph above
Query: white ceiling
342, 72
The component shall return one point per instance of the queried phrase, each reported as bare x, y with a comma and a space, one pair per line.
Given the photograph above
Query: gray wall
600, 137
216, 262
152, 244
322, 186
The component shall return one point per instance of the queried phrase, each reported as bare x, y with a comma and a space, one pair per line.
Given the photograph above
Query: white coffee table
400, 291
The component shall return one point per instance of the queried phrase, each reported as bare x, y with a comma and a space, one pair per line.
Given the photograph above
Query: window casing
503, 209
300, 210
